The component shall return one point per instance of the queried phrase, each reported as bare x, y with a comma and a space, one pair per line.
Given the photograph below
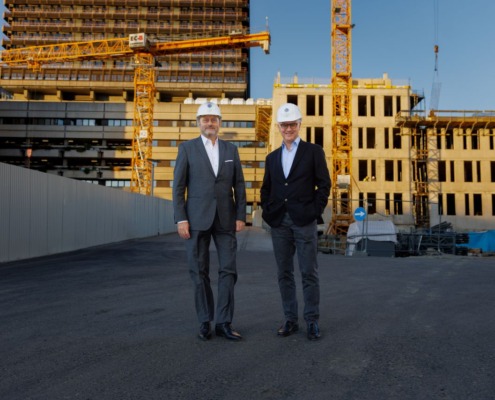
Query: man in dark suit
294, 195
209, 198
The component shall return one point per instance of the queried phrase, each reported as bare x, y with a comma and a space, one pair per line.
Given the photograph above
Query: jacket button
285, 200
286, 184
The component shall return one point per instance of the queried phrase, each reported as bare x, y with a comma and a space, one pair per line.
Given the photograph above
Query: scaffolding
424, 132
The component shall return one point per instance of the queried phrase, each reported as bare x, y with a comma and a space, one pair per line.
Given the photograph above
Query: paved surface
117, 322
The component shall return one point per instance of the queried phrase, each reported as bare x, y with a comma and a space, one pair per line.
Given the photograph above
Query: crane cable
435, 34
436, 85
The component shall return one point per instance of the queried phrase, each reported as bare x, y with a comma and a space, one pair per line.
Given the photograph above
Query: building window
450, 204
386, 138
292, 98
397, 138
370, 138
442, 171
452, 171
466, 204
398, 204
388, 106
372, 106
308, 134
449, 139
371, 203
362, 112
475, 141
363, 169
468, 171
117, 183
389, 170
319, 136
360, 138
320, 106
477, 205
310, 105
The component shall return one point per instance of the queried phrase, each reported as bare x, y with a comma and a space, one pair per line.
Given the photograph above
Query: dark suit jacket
303, 194
198, 195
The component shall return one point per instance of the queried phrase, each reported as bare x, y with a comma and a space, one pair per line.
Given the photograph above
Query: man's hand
183, 229
239, 225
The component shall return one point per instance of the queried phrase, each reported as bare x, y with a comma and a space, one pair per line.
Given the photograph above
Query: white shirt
288, 155
212, 151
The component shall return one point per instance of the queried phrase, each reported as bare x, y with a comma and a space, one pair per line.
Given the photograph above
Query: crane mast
143, 56
341, 191
142, 143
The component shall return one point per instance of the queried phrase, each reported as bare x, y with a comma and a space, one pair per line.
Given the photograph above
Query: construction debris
440, 238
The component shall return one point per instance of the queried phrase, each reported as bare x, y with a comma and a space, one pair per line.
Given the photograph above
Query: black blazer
303, 194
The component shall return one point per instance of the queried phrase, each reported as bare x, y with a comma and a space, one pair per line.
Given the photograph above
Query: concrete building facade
401, 156
91, 141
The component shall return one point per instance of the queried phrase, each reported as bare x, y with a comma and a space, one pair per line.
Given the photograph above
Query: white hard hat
208, 108
288, 112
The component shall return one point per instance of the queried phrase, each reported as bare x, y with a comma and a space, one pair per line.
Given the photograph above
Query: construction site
96, 292
93, 100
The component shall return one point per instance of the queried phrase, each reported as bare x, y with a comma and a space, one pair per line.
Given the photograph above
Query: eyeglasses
287, 125
208, 120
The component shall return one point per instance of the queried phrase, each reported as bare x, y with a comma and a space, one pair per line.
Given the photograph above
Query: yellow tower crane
341, 191
143, 55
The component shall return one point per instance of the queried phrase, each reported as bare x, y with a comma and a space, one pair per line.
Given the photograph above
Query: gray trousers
287, 238
198, 255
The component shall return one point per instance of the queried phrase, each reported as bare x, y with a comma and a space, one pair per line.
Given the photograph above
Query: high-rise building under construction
214, 74
75, 118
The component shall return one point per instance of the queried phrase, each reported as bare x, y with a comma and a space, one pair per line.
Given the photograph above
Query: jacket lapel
221, 155
301, 149
200, 146
279, 168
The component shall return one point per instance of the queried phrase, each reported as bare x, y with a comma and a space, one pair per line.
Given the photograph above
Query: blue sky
392, 36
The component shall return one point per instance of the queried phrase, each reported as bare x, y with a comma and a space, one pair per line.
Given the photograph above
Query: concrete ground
117, 322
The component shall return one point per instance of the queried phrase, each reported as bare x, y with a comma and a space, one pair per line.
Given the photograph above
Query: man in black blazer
209, 198
294, 195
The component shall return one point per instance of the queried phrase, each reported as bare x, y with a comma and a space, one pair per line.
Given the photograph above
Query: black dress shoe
313, 330
204, 331
226, 331
288, 328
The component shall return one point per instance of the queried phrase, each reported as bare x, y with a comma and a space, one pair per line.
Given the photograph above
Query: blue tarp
481, 240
